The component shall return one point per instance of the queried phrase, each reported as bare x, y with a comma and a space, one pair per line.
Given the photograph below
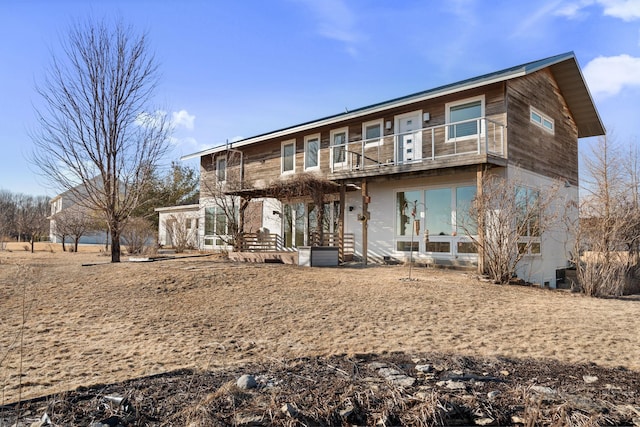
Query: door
409, 137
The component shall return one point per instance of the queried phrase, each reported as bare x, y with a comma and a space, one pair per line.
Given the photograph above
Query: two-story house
423, 154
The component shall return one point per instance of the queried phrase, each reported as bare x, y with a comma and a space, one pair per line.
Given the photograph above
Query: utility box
318, 256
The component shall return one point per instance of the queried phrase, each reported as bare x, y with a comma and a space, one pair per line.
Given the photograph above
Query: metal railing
469, 137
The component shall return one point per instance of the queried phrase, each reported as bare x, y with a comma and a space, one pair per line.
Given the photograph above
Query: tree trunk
75, 244
64, 248
115, 245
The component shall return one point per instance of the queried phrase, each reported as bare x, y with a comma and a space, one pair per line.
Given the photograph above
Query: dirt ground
70, 320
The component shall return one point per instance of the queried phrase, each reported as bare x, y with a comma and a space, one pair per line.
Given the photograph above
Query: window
438, 203
528, 220
312, 152
465, 224
542, 120
406, 202
372, 132
221, 168
288, 156
215, 226
339, 138
408, 246
443, 213
463, 118
188, 221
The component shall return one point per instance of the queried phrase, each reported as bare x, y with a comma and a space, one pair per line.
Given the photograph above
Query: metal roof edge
177, 207
470, 83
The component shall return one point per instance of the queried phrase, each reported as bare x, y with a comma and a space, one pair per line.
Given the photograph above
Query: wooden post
365, 220
480, 219
244, 203
341, 223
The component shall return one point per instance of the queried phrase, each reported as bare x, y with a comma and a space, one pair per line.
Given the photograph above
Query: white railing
469, 137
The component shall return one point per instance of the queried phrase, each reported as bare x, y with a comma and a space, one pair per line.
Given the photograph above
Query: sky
235, 69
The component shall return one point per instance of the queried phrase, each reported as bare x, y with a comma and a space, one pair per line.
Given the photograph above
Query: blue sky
235, 69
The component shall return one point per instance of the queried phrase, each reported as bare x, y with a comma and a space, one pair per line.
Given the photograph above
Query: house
179, 225
417, 156
69, 218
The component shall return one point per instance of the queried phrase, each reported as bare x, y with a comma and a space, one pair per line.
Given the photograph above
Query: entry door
409, 138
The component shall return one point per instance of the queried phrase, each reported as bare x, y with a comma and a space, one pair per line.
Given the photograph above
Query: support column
365, 220
239, 243
341, 224
480, 219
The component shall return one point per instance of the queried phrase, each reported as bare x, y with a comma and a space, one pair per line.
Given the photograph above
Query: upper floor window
463, 117
312, 152
221, 168
288, 156
542, 120
339, 138
372, 132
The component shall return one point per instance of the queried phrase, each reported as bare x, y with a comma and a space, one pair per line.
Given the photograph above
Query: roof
177, 208
564, 67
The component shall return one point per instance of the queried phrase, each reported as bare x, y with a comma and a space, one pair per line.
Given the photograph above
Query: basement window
542, 120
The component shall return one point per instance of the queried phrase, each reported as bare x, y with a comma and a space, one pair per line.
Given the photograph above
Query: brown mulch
349, 390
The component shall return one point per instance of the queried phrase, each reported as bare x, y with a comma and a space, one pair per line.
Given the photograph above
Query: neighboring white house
66, 202
179, 224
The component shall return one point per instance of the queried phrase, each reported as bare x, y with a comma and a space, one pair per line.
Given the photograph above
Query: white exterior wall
270, 222
556, 242
180, 213
382, 224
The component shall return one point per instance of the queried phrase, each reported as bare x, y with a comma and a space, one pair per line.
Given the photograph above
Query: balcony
461, 143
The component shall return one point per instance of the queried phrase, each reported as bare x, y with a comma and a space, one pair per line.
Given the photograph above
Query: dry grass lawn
103, 323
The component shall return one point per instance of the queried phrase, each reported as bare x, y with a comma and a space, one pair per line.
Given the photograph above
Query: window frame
307, 139
544, 118
530, 240
453, 104
283, 145
333, 146
451, 240
219, 160
215, 231
373, 142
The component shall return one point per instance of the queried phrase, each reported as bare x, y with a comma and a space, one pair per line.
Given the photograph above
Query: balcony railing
469, 137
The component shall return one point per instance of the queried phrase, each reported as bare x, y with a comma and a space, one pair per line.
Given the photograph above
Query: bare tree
220, 180
7, 216
96, 128
138, 234
74, 221
606, 254
506, 222
31, 217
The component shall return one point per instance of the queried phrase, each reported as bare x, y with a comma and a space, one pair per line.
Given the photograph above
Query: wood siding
262, 161
531, 147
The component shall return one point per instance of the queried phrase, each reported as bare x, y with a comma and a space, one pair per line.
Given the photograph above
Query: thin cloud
183, 119
534, 18
627, 10
151, 120
336, 21
574, 10
608, 76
